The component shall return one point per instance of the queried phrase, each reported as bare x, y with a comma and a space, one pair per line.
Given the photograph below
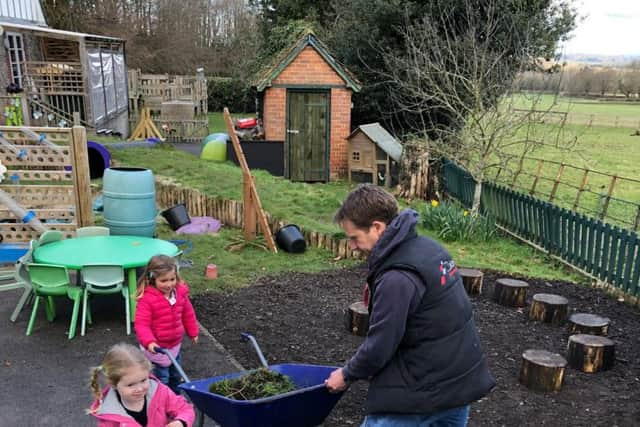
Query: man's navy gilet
439, 363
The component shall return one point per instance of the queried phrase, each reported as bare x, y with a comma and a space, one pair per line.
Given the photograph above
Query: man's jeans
169, 375
455, 417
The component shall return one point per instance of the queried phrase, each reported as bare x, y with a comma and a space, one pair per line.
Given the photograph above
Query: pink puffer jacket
160, 322
163, 406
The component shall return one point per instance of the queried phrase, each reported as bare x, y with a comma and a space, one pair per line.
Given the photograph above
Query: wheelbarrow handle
174, 362
248, 337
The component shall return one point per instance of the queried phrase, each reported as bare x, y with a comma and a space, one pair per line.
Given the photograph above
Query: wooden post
556, 182
472, 280
605, 204
81, 177
542, 370
590, 353
548, 308
249, 210
584, 323
536, 178
580, 190
251, 196
357, 318
510, 292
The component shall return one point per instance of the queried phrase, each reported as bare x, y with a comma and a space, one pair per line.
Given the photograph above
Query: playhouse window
15, 49
355, 156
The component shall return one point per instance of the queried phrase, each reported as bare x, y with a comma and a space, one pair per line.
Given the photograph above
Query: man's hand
194, 339
152, 347
335, 382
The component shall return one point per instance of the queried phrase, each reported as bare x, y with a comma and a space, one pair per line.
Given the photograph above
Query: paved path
44, 377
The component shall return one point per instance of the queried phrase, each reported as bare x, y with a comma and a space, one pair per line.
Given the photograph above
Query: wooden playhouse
374, 155
305, 103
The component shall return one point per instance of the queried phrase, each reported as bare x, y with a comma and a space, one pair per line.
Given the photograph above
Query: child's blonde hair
157, 266
118, 359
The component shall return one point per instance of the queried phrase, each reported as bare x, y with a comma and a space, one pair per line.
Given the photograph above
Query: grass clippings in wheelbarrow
259, 384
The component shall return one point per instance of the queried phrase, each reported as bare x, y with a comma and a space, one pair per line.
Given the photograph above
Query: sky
608, 27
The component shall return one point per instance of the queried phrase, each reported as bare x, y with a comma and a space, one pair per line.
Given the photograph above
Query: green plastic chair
49, 281
102, 279
92, 231
48, 237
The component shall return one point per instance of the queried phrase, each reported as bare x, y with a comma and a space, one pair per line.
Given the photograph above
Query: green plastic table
128, 251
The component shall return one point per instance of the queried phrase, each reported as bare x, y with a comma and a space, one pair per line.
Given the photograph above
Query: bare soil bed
299, 318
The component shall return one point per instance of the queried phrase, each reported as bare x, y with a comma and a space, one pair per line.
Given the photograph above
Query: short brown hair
365, 204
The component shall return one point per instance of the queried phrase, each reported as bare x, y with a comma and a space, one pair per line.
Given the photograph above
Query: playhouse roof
383, 139
287, 56
51, 32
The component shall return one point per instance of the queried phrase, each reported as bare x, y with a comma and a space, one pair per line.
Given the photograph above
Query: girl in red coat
134, 397
163, 314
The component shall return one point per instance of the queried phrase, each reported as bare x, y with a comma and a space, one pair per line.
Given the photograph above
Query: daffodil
434, 203
465, 213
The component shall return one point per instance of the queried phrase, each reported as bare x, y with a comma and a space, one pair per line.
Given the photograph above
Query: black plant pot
177, 216
289, 238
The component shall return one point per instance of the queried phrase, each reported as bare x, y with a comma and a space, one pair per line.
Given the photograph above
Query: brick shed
306, 103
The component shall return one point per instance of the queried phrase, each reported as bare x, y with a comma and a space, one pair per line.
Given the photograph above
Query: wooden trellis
52, 182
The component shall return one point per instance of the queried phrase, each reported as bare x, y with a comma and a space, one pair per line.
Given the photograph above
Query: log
590, 353
591, 324
549, 308
472, 280
542, 370
357, 319
510, 292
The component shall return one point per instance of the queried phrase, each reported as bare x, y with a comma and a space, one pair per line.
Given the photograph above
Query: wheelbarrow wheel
199, 421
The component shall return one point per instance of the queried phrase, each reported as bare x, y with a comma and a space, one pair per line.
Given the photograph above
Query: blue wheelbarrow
306, 406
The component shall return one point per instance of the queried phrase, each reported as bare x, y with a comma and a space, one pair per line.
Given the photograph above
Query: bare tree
466, 78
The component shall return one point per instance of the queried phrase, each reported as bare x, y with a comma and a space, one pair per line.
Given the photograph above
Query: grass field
309, 205
604, 150
581, 111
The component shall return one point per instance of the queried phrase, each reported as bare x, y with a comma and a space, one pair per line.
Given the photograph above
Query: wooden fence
576, 188
605, 252
52, 182
230, 212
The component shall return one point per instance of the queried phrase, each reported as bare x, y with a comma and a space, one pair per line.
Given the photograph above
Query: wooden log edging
230, 213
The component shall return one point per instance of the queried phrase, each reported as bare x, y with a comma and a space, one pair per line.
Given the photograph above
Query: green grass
216, 120
240, 268
581, 111
606, 150
309, 205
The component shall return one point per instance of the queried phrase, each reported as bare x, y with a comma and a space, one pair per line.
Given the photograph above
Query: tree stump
549, 308
591, 353
510, 292
542, 370
357, 319
591, 324
472, 280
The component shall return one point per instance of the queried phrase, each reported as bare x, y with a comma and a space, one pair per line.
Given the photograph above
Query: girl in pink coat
135, 398
163, 314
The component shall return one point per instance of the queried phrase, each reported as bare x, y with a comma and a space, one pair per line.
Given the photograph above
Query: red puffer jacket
160, 322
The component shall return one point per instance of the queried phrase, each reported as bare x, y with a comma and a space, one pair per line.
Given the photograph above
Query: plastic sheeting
95, 80
107, 77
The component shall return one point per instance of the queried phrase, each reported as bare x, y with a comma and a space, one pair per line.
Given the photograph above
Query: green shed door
307, 135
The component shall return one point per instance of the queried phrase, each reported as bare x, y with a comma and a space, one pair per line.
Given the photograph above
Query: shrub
234, 94
453, 223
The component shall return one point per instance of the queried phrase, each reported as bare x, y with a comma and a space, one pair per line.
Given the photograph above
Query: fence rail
606, 252
579, 189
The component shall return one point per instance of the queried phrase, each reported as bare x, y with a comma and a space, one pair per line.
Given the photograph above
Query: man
422, 353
